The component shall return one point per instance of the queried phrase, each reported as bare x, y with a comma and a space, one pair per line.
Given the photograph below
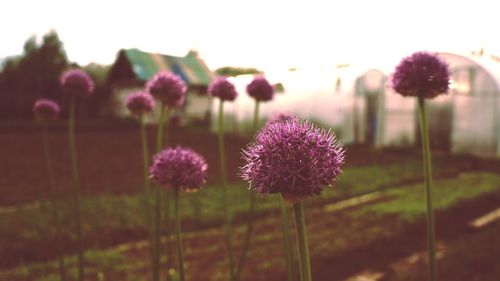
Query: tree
235, 71
32, 75
9, 80
99, 74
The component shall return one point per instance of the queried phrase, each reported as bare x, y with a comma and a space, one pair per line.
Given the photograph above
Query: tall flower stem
53, 201
76, 189
255, 123
157, 232
287, 238
178, 235
302, 243
431, 237
165, 195
168, 226
147, 187
227, 219
251, 211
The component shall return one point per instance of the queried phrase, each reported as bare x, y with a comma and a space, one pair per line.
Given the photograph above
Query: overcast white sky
267, 34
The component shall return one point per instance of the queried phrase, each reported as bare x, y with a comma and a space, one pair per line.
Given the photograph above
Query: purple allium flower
223, 89
294, 158
46, 109
167, 88
280, 116
140, 103
260, 89
421, 74
179, 167
77, 82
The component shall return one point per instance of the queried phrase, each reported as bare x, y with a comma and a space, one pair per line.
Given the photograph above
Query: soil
110, 162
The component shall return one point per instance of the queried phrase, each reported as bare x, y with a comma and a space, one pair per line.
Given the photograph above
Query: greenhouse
362, 108
464, 121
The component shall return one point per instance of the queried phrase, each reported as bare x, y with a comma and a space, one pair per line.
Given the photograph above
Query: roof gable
190, 68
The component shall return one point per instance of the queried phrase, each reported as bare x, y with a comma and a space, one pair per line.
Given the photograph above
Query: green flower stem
178, 234
195, 202
255, 123
168, 226
164, 112
165, 196
431, 236
53, 201
76, 189
147, 187
157, 195
251, 211
302, 243
227, 219
287, 238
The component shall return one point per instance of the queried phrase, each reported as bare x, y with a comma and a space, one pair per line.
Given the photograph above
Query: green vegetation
236, 71
119, 219
112, 212
32, 75
407, 201
368, 224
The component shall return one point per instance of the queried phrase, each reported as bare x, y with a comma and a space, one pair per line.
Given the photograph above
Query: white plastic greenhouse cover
476, 103
468, 119
473, 104
309, 93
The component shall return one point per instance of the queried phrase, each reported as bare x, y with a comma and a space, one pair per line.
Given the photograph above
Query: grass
107, 213
406, 203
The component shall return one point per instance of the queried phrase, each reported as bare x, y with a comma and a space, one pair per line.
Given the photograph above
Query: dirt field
110, 160
343, 245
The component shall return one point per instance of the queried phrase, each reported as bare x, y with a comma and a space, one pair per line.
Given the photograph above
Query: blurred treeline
35, 74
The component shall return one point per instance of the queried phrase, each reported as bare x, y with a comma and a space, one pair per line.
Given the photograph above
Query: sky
267, 34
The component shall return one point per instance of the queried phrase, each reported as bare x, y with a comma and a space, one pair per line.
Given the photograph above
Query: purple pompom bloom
167, 88
223, 89
77, 82
280, 116
140, 103
260, 89
179, 167
294, 158
421, 74
46, 109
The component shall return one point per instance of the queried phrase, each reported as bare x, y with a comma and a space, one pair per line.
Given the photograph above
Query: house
132, 68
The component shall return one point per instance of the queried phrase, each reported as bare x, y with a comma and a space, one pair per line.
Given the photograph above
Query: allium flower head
179, 167
168, 88
223, 89
260, 89
46, 109
294, 158
421, 74
139, 103
280, 116
77, 82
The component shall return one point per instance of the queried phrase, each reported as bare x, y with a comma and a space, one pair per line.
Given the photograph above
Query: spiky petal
179, 167
77, 82
294, 158
168, 88
260, 89
139, 103
280, 116
223, 89
46, 109
421, 74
